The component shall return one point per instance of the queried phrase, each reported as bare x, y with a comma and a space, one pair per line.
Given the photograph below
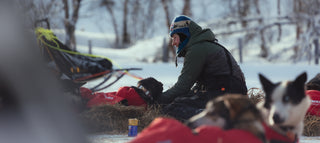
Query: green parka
205, 62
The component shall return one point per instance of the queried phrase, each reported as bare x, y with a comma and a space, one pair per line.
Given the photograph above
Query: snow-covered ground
167, 73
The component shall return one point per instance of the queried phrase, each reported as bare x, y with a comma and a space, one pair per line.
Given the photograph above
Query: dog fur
285, 104
231, 111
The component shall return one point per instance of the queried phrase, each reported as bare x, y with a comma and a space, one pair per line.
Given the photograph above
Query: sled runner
74, 67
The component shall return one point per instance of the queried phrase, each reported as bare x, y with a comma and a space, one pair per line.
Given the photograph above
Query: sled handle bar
127, 69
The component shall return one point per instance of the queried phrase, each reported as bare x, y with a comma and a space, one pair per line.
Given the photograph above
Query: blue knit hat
180, 24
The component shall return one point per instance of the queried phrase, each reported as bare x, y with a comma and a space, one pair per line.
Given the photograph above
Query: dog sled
75, 68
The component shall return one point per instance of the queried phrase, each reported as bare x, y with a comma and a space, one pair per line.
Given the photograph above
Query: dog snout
277, 119
196, 120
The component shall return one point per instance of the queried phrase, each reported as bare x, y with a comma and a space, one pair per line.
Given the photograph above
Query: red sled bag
146, 93
173, 131
125, 93
314, 108
104, 98
86, 93
131, 95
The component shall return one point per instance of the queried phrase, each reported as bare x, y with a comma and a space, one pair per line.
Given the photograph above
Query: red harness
272, 135
173, 131
314, 109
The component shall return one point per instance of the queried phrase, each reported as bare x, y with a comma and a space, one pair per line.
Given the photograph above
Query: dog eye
286, 98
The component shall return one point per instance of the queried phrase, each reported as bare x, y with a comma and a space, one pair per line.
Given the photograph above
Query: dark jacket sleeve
192, 68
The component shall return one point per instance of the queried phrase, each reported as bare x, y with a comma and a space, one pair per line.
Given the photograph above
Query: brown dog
231, 111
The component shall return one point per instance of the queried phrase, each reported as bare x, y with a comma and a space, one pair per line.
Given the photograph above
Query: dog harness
274, 136
314, 109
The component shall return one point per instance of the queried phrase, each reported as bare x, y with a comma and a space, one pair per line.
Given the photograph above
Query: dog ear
299, 86
267, 85
232, 107
301, 79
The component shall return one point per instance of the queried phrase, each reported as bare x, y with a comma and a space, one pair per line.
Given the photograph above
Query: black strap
227, 53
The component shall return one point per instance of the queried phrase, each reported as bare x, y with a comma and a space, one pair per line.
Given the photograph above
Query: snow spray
133, 127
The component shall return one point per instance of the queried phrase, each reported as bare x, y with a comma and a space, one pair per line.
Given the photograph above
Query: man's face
175, 40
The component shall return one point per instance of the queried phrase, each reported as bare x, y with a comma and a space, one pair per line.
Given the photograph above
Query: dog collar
286, 128
288, 131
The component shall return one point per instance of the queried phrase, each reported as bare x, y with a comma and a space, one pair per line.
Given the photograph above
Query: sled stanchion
96, 88
127, 73
128, 69
104, 81
104, 73
109, 84
92, 76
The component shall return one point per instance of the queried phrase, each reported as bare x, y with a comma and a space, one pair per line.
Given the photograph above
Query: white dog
285, 105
